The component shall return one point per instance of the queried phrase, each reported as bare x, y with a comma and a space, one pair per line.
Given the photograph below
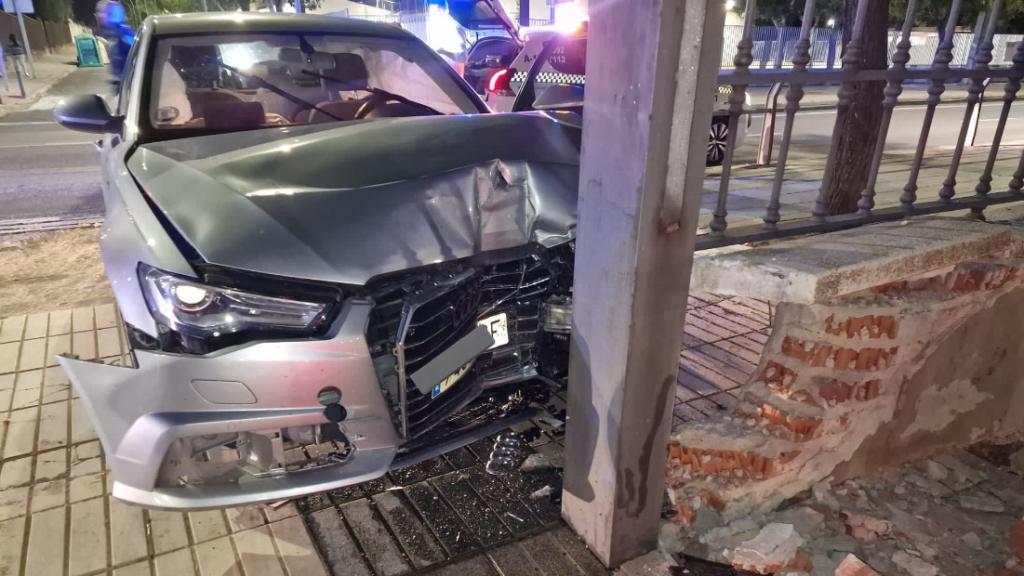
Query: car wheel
718, 137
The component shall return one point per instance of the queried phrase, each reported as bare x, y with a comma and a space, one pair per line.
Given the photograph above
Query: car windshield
230, 82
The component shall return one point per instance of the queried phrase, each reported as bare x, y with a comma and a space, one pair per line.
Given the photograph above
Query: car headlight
208, 317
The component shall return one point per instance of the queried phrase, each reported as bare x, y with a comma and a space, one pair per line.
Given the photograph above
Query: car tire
718, 137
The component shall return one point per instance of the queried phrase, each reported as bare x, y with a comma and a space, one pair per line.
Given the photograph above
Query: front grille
428, 312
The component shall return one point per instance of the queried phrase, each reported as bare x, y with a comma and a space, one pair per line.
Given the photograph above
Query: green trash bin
88, 52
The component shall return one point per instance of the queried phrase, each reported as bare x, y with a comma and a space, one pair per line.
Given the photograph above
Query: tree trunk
857, 128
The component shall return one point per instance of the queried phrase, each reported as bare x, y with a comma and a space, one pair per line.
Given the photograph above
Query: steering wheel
371, 104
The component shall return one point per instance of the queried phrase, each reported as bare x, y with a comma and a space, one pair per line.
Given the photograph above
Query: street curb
781, 108
22, 105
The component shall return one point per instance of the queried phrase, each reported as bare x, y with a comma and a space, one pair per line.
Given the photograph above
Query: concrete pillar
650, 85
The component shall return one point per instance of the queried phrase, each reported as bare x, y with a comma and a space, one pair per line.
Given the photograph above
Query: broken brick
866, 528
801, 428
820, 355
776, 375
854, 566
702, 462
774, 548
1017, 540
864, 327
835, 391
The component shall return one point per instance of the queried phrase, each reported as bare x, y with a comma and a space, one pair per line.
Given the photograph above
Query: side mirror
86, 113
559, 97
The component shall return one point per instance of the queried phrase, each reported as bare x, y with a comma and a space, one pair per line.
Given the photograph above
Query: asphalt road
48, 171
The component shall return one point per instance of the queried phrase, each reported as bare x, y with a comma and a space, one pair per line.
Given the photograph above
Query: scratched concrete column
651, 79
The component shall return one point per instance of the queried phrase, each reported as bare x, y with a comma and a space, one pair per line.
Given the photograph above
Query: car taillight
500, 82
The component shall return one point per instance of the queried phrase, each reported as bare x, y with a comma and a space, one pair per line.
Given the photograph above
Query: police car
563, 67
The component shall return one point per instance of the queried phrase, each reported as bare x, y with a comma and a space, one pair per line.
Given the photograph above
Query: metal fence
947, 64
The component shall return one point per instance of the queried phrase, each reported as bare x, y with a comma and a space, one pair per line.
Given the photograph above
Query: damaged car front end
311, 304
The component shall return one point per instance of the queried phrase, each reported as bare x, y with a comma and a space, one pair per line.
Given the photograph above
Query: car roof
228, 22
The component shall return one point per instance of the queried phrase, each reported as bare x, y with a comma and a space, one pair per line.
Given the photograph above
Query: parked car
493, 39
553, 59
330, 259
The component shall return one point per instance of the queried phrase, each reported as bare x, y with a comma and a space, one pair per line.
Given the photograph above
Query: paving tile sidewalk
445, 516
50, 69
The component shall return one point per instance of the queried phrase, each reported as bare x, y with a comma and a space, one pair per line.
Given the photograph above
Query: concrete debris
936, 471
972, 540
933, 487
1017, 462
854, 566
671, 539
912, 565
822, 492
866, 528
540, 460
805, 520
961, 476
651, 564
730, 535
772, 550
541, 493
926, 528
980, 501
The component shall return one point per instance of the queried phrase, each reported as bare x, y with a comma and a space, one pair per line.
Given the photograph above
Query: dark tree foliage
52, 10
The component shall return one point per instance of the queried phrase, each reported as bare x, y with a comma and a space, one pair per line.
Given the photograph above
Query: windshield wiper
277, 90
378, 92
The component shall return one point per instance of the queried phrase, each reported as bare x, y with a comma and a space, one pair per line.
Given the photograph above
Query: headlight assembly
205, 317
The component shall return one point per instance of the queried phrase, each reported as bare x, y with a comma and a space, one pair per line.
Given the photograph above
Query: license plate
450, 380
498, 327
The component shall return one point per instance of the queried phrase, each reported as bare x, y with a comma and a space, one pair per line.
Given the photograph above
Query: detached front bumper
151, 418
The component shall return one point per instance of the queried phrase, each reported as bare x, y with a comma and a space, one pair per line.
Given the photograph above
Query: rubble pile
958, 513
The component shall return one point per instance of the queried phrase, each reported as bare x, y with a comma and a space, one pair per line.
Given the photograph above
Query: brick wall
864, 380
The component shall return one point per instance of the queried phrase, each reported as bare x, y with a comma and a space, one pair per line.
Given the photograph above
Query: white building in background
349, 8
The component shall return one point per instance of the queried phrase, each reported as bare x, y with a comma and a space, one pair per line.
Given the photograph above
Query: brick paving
444, 516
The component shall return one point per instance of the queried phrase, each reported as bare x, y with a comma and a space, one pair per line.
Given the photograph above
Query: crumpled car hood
350, 203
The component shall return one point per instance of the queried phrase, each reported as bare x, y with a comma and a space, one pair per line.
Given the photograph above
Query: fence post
771, 104
972, 127
780, 47
977, 38
830, 58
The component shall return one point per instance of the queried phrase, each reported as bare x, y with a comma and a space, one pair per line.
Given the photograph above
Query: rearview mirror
86, 113
559, 97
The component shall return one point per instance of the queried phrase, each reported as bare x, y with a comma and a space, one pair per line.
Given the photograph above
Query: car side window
126, 82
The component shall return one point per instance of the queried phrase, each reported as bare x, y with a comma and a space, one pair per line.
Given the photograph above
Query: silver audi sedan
330, 259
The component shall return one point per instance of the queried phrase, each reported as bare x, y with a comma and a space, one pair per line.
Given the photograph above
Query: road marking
28, 123
902, 108
51, 171
17, 146
28, 225
47, 103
